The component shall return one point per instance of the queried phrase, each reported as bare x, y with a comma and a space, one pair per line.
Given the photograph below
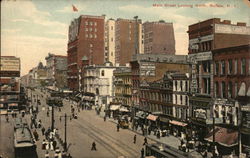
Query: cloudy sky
31, 29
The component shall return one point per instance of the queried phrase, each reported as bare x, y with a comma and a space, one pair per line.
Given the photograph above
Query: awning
178, 123
123, 109
141, 114
223, 136
152, 117
12, 104
164, 119
114, 107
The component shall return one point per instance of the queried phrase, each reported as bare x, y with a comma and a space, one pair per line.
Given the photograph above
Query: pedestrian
145, 141
54, 143
51, 146
47, 113
135, 139
43, 145
142, 153
118, 127
43, 131
93, 146
47, 145
36, 135
47, 154
104, 118
7, 118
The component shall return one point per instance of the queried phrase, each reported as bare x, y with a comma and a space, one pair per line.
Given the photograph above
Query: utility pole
213, 137
65, 132
52, 116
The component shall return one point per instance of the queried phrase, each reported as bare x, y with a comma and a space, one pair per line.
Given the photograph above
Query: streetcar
24, 142
163, 151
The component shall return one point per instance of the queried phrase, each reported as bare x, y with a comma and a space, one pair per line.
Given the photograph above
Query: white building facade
98, 80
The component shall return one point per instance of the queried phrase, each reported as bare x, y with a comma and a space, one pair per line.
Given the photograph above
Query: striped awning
178, 123
152, 117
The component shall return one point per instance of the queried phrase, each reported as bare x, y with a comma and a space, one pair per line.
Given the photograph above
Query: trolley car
163, 151
24, 142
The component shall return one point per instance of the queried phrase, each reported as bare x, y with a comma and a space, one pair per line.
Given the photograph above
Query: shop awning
223, 136
12, 104
141, 114
114, 107
178, 123
164, 119
152, 117
123, 109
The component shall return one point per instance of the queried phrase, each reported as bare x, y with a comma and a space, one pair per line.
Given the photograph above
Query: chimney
226, 22
241, 24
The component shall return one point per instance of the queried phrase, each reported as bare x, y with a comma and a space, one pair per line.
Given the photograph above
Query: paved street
87, 128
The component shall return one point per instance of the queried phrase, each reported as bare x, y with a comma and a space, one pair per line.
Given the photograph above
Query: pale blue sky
31, 29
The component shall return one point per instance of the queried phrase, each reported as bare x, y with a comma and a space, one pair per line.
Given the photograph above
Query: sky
32, 29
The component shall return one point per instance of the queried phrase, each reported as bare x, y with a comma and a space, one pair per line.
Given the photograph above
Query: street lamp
65, 131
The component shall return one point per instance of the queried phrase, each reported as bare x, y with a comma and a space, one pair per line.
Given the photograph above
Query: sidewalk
170, 140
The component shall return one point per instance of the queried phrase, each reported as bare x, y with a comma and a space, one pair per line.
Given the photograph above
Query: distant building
123, 87
37, 76
98, 88
110, 41
86, 38
127, 39
158, 38
56, 70
152, 67
10, 68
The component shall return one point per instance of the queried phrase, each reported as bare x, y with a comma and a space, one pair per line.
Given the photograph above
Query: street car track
98, 139
128, 151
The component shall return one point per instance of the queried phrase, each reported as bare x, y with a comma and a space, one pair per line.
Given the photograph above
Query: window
90, 35
86, 35
90, 23
186, 86
223, 89
90, 45
95, 30
186, 100
102, 73
249, 66
86, 29
111, 27
181, 99
216, 89
235, 89
111, 39
229, 89
95, 35
230, 66
181, 85
222, 68
95, 23
216, 68
111, 53
235, 66
86, 23
243, 66
90, 29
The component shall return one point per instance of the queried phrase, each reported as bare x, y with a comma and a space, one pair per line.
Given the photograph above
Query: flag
74, 8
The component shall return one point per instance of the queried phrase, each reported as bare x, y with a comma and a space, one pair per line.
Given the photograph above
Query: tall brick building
218, 40
86, 38
127, 39
158, 38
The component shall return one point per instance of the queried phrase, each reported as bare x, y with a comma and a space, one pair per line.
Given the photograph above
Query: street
85, 130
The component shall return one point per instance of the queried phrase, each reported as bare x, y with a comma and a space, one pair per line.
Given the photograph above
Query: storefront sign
10, 64
147, 69
216, 121
232, 29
